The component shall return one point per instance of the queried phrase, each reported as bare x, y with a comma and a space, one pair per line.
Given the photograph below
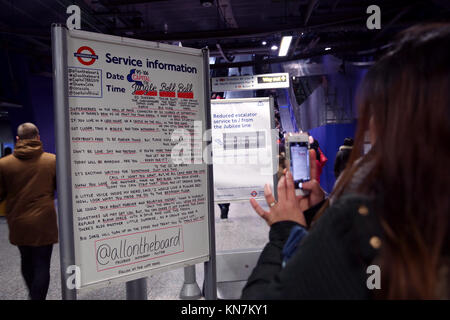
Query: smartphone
297, 154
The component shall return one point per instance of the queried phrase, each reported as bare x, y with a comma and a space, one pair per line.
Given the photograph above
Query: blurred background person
7, 151
342, 156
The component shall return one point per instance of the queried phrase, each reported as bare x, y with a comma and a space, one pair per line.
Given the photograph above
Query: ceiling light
264, 43
206, 3
284, 46
274, 47
327, 48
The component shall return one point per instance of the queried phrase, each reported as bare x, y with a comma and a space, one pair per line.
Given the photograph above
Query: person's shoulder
345, 148
351, 206
7, 159
50, 155
352, 199
354, 220
47, 156
352, 214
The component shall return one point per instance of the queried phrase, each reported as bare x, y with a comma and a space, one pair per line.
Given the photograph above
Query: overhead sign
135, 209
255, 82
243, 147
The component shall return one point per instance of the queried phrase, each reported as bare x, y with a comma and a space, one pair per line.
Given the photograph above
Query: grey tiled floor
243, 230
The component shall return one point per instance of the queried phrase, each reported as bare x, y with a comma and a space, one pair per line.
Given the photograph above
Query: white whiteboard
244, 148
135, 211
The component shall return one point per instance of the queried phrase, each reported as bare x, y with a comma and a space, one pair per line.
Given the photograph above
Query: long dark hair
406, 98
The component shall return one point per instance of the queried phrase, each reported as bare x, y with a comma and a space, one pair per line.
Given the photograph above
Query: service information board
133, 110
244, 148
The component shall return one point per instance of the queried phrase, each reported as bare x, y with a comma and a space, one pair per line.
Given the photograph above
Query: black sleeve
311, 212
269, 262
270, 259
330, 262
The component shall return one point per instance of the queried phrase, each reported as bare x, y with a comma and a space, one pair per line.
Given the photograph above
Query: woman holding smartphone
389, 218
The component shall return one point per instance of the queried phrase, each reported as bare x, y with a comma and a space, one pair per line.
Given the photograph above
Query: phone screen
299, 162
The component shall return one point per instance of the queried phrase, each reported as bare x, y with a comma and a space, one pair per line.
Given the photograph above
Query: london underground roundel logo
86, 55
254, 193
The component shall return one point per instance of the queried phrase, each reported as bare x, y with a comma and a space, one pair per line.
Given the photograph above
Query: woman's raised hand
288, 207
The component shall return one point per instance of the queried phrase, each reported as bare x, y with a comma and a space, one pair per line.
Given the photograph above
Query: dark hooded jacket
341, 159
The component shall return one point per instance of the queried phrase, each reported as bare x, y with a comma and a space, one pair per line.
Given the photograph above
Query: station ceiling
227, 27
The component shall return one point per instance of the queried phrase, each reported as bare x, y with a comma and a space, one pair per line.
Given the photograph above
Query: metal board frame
63, 169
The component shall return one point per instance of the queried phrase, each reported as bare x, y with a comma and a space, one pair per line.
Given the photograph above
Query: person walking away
28, 182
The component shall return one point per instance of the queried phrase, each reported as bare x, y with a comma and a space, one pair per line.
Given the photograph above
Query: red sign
169, 94
145, 92
186, 95
82, 55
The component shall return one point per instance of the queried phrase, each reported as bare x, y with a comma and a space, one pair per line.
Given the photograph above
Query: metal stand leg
190, 289
137, 289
